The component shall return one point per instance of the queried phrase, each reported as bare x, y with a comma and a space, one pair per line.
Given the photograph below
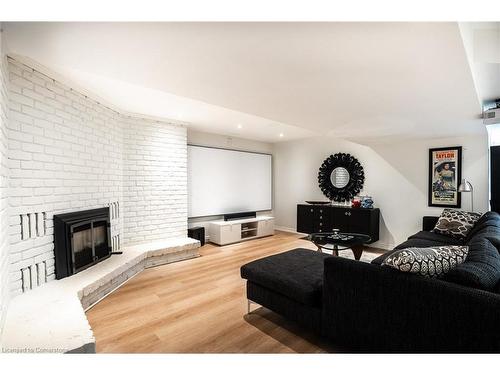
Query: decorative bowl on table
318, 202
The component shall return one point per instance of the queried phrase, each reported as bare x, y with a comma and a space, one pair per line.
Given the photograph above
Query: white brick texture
155, 181
4, 175
69, 153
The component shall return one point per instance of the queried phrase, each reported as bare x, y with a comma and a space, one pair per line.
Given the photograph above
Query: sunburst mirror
341, 177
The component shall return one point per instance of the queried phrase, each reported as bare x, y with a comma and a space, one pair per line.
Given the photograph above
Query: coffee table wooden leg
357, 251
335, 250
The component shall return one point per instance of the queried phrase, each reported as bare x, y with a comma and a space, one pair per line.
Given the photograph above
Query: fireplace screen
81, 239
82, 246
90, 243
101, 239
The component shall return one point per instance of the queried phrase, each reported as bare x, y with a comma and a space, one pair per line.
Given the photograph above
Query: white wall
68, 152
233, 143
494, 134
396, 175
155, 180
4, 172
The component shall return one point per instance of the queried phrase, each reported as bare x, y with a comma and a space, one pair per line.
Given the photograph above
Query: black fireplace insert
81, 239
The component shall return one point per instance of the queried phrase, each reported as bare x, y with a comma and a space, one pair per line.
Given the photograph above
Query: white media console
225, 232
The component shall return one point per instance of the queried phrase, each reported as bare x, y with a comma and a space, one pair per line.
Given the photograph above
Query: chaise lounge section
290, 284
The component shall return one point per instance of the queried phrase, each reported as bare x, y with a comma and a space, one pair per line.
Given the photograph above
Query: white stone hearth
52, 317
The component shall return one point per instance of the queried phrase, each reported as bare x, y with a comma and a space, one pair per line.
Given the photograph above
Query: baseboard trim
382, 246
287, 229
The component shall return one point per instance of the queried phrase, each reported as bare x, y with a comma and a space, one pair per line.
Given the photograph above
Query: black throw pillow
481, 268
495, 241
488, 223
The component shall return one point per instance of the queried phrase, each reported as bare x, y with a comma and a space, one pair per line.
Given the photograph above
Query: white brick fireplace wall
155, 181
67, 152
4, 172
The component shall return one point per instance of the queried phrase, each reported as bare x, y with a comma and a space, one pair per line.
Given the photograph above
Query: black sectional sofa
363, 307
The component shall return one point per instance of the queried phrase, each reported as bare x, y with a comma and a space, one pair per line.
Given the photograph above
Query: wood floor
199, 306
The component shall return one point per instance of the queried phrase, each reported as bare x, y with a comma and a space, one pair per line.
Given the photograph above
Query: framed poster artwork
445, 174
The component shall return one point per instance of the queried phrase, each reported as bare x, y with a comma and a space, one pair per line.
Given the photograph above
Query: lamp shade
465, 186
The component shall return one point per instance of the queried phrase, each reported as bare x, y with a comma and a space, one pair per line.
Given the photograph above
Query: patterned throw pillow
456, 223
427, 261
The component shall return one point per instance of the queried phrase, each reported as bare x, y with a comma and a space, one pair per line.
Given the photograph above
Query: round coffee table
336, 241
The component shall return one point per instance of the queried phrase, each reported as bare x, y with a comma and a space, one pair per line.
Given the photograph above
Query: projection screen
224, 181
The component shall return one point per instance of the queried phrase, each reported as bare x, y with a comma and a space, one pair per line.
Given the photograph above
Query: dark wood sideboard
323, 218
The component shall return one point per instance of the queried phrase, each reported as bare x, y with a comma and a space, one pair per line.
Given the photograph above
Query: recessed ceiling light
281, 135
240, 126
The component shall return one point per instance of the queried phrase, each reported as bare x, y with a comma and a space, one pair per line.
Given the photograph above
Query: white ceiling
482, 44
353, 80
